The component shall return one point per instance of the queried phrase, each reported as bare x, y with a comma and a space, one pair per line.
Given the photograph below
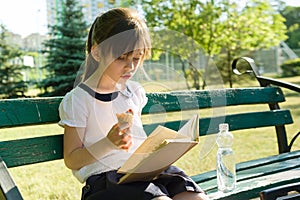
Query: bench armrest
293, 140
263, 81
8, 188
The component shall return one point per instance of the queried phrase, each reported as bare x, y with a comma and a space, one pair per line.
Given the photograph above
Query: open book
160, 150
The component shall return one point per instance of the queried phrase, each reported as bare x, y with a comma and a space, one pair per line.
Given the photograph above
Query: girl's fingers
127, 145
126, 142
124, 126
124, 131
121, 138
126, 138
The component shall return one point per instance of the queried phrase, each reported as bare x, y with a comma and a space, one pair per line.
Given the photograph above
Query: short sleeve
73, 110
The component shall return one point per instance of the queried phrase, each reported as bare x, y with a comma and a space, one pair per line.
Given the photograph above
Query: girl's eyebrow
134, 53
138, 53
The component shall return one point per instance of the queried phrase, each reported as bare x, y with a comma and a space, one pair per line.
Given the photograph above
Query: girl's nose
129, 64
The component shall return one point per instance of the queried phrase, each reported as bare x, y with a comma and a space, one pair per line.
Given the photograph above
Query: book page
162, 147
191, 129
155, 139
153, 142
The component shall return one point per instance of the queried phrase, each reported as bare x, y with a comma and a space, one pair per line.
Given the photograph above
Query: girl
95, 145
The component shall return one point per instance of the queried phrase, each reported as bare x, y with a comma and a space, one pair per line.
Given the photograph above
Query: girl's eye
121, 58
136, 59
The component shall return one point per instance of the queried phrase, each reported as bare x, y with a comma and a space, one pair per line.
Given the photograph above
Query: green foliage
293, 24
263, 27
218, 27
65, 50
254, 27
291, 68
12, 84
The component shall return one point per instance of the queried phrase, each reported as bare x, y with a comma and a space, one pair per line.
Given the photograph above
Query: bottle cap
223, 126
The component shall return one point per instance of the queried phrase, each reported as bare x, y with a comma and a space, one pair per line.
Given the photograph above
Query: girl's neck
105, 84
109, 87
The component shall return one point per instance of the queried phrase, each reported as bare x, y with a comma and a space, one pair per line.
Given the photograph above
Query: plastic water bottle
226, 175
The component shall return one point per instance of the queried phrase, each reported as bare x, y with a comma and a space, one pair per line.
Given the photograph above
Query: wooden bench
252, 176
289, 191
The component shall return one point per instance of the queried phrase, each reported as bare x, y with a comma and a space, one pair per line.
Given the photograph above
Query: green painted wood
21, 112
252, 164
236, 121
177, 101
249, 189
266, 173
31, 150
274, 193
254, 172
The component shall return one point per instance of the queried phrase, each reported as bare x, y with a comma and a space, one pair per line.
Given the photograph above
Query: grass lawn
51, 180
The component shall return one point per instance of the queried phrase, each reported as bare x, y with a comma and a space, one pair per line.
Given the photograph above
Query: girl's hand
121, 138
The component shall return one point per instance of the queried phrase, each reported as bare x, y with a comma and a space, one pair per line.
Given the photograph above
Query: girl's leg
161, 198
190, 196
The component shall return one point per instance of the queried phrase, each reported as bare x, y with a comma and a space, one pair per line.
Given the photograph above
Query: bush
291, 68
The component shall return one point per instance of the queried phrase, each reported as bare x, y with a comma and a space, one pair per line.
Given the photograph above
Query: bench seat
255, 175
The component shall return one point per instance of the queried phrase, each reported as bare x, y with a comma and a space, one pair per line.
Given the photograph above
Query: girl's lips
127, 76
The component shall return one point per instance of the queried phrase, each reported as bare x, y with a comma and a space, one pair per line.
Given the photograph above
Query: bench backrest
33, 111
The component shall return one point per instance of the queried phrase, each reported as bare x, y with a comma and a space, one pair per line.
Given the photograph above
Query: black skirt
169, 183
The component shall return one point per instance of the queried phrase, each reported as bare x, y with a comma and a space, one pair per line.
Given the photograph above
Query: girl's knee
162, 198
191, 196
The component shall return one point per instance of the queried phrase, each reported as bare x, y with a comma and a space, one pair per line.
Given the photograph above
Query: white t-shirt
80, 109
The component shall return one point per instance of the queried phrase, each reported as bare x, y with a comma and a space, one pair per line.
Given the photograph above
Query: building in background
14, 39
34, 42
91, 8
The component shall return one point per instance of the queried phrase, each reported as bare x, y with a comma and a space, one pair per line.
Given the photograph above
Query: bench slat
177, 101
22, 112
236, 121
251, 188
276, 192
29, 111
33, 150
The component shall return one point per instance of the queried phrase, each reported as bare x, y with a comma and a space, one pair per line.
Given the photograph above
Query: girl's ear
95, 53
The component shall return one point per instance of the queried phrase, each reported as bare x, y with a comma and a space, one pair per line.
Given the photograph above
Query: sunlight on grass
47, 181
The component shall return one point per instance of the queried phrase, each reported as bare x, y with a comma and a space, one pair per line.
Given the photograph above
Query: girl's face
123, 68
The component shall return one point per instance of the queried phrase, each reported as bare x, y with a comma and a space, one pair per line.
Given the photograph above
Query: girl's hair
117, 31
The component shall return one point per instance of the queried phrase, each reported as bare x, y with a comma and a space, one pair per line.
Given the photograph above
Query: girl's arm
77, 156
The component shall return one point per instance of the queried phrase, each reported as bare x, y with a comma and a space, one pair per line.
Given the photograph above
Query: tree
219, 27
12, 84
65, 50
291, 14
190, 26
256, 26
